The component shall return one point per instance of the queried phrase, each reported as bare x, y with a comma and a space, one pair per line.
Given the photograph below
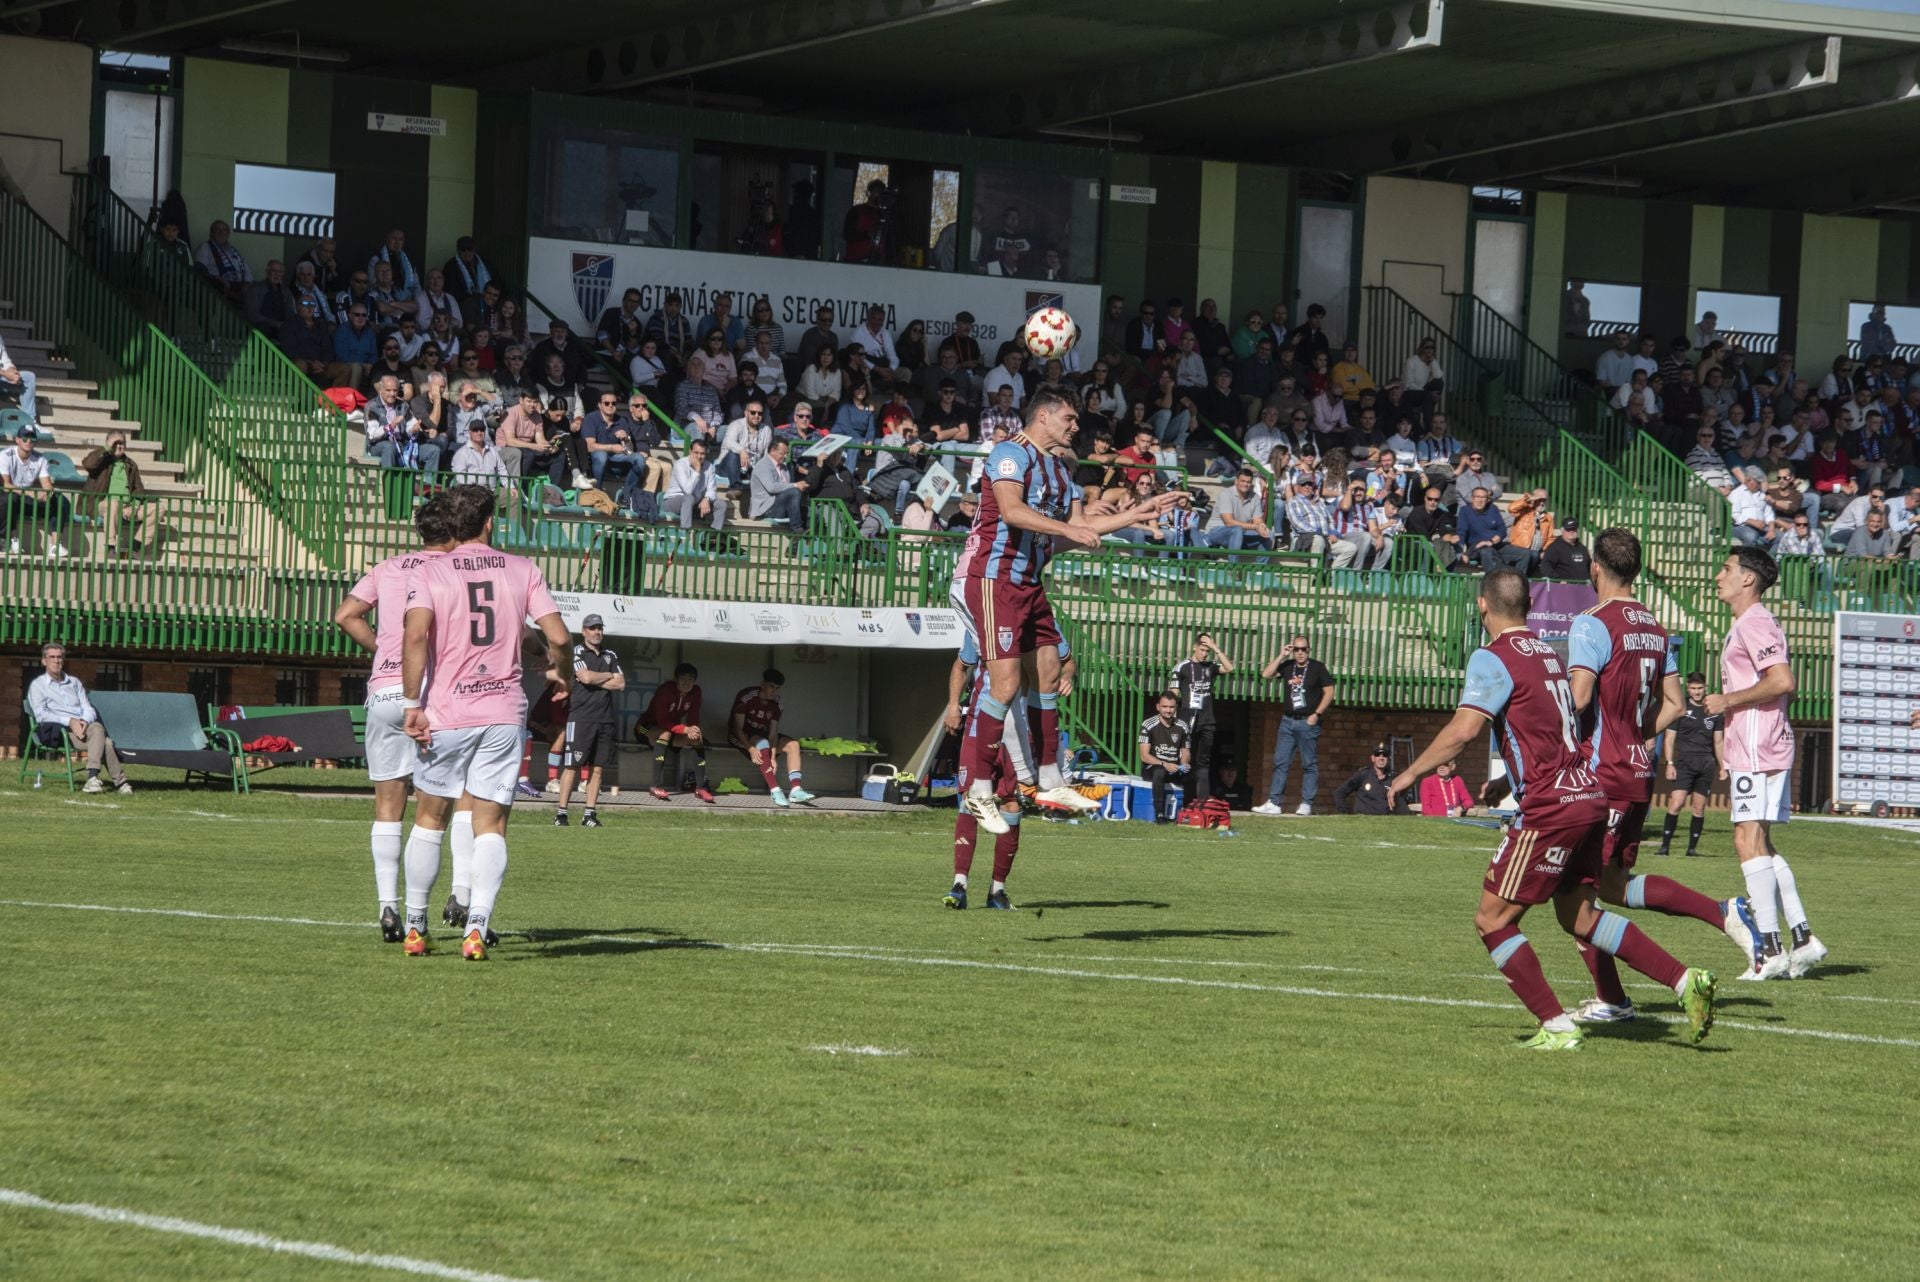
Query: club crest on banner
592, 280
1037, 299
913, 621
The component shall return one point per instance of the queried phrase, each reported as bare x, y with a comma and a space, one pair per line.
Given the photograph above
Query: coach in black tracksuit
1192, 688
1368, 787
1165, 751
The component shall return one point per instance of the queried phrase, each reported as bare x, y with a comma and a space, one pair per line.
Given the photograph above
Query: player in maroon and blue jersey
1622, 674
1027, 501
753, 726
1551, 851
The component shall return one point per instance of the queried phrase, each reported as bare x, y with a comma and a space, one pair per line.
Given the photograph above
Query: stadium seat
164, 730
33, 750
12, 419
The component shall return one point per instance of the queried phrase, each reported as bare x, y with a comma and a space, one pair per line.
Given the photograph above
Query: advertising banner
1554, 606
584, 279
751, 624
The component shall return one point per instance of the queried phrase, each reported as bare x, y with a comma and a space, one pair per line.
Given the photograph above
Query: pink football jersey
1758, 736
480, 600
384, 587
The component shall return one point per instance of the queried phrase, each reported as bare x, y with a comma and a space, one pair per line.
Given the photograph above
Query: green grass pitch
1281, 1055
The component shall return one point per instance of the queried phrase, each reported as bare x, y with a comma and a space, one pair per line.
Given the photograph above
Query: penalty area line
247, 1237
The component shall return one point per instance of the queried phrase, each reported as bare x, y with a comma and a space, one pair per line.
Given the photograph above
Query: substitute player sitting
1620, 669
671, 724
1696, 757
1028, 501
753, 726
1166, 752
1551, 852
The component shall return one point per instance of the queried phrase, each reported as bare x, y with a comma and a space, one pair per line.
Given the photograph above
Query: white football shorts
482, 760
390, 754
1759, 796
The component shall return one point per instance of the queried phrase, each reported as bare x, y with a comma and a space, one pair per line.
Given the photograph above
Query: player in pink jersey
1756, 686
1621, 671
1551, 851
465, 614
382, 591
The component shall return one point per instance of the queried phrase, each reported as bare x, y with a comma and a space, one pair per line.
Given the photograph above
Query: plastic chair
33, 750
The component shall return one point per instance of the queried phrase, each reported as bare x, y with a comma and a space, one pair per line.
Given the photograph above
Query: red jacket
1830, 474
1438, 795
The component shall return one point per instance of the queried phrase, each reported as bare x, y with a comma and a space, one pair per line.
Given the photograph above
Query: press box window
756, 200
1037, 226
275, 201
607, 186
895, 213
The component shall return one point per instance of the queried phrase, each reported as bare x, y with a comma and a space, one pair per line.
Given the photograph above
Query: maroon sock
1516, 960
1005, 847
980, 750
526, 758
764, 763
1046, 752
1615, 934
966, 831
1665, 895
1606, 975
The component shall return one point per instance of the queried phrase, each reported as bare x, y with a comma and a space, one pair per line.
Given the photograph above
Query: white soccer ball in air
1050, 332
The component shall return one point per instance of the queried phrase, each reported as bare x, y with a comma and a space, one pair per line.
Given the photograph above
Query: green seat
13, 419
164, 730
34, 750
61, 468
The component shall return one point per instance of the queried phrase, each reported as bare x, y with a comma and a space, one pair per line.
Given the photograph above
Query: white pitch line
887, 954
839, 1048
247, 1237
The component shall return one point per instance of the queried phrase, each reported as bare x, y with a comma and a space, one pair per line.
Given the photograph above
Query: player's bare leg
389, 810
1615, 936
1498, 923
790, 748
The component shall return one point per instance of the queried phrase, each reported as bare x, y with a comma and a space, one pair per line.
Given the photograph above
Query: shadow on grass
1096, 903
586, 942
1150, 936
1835, 972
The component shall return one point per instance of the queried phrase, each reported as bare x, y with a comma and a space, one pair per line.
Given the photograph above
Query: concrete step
16, 331
69, 436
79, 387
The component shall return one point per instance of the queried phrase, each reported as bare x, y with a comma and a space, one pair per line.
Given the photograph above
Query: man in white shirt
27, 498
64, 716
744, 444
477, 462
1752, 513
17, 383
1423, 373
692, 491
1615, 366
1646, 358
873, 339
1007, 374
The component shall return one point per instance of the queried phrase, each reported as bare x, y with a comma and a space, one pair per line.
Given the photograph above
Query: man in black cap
1368, 786
591, 737
1566, 559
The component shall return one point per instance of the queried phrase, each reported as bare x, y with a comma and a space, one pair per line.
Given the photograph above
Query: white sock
1049, 776
1561, 1023
386, 863
489, 870
461, 835
423, 869
998, 886
1760, 886
981, 788
1791, 909
960, 879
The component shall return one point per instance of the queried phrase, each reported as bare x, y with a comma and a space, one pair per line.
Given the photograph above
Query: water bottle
36, 779
1226, 832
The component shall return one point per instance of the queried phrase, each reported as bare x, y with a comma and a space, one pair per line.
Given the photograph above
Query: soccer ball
1050, 332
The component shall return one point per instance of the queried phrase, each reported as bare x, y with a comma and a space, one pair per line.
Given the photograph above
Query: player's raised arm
1224, 663
350, 616
1011, 498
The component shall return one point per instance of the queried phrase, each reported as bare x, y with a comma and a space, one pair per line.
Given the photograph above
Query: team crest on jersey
1005, 636
1009, 468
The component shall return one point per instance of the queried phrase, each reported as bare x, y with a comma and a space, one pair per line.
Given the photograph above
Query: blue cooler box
1140, 801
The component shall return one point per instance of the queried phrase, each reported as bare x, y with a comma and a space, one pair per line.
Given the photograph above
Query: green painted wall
1606, 238
1548, 277
1262, 232
1839, 262
1213, 267
1896, 262
1706, 254
232, 112
450, 170
1746, 250
1126, 257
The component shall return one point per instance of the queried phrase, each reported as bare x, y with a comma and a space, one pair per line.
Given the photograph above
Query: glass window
1903, 321
296, 687
1610, 308
895, 213
749, 200
116, 676
607, 186
277, 201
1752, 320
1039, 226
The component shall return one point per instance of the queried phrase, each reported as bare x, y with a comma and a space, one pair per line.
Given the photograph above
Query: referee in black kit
591, 733
1695, 760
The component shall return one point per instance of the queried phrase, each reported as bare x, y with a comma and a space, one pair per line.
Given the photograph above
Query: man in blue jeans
1306, 692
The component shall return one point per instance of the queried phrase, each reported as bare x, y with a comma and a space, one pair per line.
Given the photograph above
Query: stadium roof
1809, 105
